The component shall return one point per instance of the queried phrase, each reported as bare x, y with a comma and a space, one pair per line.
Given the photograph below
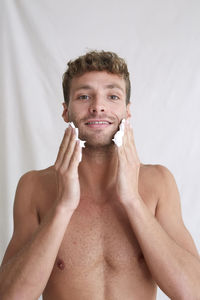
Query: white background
160, 40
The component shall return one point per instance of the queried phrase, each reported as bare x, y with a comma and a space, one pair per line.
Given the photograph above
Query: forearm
176, 271
26, 274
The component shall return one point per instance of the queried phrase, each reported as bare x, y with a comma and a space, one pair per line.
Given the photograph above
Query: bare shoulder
157, 175
34, 179
39, 185
163, 182
154, 169
150, 177
166, 184
25, 214
158, 181
26, 187
27, 192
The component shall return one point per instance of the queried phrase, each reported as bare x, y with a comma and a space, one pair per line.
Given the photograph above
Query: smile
98, 123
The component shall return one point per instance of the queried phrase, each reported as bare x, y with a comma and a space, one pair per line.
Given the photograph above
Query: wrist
63, 208
133, 202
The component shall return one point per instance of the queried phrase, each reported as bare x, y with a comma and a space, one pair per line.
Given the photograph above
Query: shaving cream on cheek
118, 137
82, 143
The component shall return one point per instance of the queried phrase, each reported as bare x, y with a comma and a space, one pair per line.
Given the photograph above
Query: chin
97, 143
97, 139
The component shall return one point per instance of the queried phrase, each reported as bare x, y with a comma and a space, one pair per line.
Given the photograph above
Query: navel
60, 264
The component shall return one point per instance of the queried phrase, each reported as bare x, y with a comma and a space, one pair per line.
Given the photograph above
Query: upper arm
168, 211
24, 215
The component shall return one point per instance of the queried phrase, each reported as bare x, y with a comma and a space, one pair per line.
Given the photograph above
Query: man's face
97, 105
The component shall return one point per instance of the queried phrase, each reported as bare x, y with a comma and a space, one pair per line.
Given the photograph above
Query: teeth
97, 123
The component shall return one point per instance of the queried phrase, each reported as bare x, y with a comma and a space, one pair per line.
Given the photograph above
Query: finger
69, 151
125, 144
125, 137
120, 151
122, 155
130, 149
132, 140
63, 146
75, 158
133, 143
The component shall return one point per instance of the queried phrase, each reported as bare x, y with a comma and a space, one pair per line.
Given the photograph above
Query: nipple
60, 264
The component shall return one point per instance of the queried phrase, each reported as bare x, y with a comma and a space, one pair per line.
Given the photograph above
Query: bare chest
99, 250
99, 236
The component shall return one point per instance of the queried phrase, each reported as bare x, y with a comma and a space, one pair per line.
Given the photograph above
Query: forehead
98, 79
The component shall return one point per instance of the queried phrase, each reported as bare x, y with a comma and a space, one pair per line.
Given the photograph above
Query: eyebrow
114, 86
83, 87
108, 86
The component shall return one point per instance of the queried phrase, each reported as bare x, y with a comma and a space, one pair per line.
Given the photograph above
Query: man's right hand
66, 170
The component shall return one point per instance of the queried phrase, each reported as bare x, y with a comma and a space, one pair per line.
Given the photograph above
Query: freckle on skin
60, 264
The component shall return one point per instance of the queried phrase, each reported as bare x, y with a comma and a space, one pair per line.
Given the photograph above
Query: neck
98, 169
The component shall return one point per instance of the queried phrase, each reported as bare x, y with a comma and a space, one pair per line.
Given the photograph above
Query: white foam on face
82, 143
118, 137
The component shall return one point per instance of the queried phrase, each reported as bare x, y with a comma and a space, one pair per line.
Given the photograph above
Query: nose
97, 105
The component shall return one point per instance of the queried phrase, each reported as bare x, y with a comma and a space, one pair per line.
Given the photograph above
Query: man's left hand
128, 168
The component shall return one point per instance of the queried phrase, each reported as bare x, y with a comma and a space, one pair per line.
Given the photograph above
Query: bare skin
106, 228
99, 257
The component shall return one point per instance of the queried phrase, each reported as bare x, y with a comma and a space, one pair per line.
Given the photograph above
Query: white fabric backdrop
160, 41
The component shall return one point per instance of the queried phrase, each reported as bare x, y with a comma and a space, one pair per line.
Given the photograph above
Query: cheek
120, 113
80, 108
74, 111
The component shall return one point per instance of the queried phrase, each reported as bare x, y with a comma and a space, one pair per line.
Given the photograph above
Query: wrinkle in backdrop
160, 40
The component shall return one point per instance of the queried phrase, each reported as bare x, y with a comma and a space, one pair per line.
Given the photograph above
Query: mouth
98, 123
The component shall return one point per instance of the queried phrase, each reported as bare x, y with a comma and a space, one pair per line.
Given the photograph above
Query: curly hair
96, 61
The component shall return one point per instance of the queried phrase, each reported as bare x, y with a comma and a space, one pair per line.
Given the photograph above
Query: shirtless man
105, 228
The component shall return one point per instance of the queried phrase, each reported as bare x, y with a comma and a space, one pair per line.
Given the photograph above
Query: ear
128, 110
65, 112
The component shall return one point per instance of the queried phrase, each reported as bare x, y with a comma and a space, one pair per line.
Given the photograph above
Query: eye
83, 97
113, 97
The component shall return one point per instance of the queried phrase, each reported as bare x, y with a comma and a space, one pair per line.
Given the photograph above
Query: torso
99, 258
